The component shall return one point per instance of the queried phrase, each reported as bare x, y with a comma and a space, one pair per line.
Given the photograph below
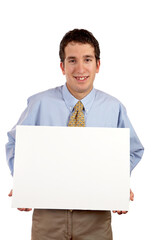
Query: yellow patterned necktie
77, 118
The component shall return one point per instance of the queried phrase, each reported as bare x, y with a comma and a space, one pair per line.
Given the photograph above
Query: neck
79, 95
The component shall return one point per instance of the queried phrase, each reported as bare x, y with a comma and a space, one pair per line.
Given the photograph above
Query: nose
80, 67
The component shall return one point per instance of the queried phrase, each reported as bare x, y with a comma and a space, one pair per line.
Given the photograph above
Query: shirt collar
70, 100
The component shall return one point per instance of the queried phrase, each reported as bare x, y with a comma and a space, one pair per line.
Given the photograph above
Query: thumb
131, 195
10, 194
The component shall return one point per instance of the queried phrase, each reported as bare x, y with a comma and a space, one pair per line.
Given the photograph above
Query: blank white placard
71, 168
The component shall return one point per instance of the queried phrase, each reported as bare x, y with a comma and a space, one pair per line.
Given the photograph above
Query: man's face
80, 68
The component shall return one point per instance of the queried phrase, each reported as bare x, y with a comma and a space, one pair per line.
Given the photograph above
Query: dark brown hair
81, 36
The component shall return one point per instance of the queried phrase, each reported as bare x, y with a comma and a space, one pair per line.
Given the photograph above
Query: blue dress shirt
55, 106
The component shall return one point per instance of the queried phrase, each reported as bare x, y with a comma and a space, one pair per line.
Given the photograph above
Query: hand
20, 209
131, 198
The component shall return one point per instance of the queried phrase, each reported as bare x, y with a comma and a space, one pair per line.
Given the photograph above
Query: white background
129, 37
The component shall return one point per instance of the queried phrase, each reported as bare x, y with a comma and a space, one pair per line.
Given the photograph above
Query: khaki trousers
71, 225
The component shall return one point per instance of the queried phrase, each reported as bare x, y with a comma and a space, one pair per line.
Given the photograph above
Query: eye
87, 60
72, 61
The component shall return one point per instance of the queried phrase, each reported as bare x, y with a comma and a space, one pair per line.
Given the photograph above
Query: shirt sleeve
28, 117
136, 148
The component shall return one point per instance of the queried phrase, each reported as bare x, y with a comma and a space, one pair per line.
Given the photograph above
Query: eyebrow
70, 57
88, 56
85, 56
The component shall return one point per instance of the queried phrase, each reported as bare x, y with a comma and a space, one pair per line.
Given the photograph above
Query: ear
98, 66
62, 68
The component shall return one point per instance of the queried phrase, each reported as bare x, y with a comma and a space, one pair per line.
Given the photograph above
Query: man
80, 61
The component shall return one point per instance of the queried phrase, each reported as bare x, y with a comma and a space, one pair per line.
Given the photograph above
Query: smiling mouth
81, 79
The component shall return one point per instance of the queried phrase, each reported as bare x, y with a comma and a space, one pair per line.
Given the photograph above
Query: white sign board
71, 168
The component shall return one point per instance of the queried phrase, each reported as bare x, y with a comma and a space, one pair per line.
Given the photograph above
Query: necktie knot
79, 106
77, 117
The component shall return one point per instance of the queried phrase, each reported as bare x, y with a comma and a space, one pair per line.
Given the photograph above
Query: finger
24, 209
21, 209
119, 212
28, 209
10, 194
131, 195
124, 212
